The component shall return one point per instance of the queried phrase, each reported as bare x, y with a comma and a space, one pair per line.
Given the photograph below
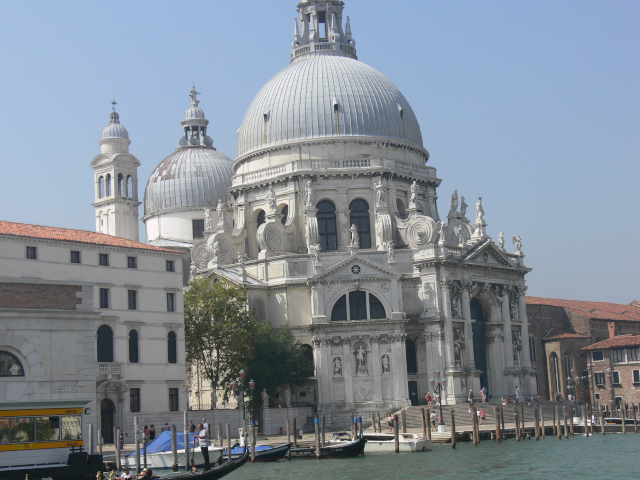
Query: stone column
317, 304
317, 360
376, 368
448, 324
396, 300
467, 287
524, 330
347, 369
506, 320
399, 369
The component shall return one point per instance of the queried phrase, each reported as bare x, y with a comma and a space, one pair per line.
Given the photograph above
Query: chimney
612, 329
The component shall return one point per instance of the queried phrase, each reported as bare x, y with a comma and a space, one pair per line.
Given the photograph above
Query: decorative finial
113, 104
114, 117
192, 94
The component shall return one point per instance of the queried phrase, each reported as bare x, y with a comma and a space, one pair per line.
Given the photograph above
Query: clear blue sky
535, 106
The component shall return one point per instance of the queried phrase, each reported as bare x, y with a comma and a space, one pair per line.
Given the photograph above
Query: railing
347, 164
110, 368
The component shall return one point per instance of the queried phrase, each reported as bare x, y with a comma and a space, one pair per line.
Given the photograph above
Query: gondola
219, 471
264, 453
344, 449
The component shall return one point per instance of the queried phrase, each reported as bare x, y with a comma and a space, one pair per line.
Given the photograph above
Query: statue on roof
192, 94
454, 203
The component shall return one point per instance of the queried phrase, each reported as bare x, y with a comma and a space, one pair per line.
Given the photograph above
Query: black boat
219, 471
346, 449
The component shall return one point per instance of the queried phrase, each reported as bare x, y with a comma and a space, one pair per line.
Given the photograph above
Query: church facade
332, 222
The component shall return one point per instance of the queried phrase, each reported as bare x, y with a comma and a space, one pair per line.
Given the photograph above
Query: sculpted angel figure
501, 241
442, 230
479, 211
517, 241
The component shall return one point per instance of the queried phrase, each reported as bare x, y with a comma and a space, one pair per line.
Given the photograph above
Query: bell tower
116, 182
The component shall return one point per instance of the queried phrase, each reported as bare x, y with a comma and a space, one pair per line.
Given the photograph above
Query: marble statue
459, 231
361, 357
215, 249
390, 250
454, 203
442, 231
192, 95
355, 241
337, 366
517, 241
386, 368
265, 398
463, 206
287, 397
221, 210
479, 212
309, 194
207, 219
381, 194
414, 193
458, 347
501, 241
271, 198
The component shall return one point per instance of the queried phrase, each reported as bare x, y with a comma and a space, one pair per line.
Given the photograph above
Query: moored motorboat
214, 473
335, 450
385, 442
264, 453
160, 454
44, 440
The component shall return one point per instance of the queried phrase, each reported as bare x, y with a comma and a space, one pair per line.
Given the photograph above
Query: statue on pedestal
361, 357
221, 210
463, 207
355, 241
265, 398
479, 212
501, 241
271, 199
337, 366
517, 241
308, 194
287, 397
207, 219
414, 194
386, 367
454, 203
381, 194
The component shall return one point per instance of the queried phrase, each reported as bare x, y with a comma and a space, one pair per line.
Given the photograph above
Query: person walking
483, 416
433, 419
428, 399
202, 439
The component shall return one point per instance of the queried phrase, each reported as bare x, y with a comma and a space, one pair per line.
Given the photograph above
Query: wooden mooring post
474, 425
379, 423
288, 431
453, 429
404, 421
544, 433
424, 425
601, 420
516, 421
635, 421
564, 415
373, 422
590, 418
428, 416
295, 434
502, 417
536, 422
571, 419
174, 447
316, 425
522, 419
553, 416
496, 411
624, 419
396, 435
322, 430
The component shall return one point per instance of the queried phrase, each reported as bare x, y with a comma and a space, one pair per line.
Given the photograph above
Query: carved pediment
487, 253
356, 267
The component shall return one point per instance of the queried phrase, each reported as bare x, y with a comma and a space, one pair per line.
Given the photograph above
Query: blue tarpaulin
162, 443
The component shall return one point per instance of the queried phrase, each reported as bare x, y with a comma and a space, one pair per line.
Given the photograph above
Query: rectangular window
32, 253
597, 355
104, 259
173, 399
170, 266
616, 377
171, 302
636, 376
633, 354
599, 378
104, 298
133, 299
596, 396
75, 256
134, 399
132, 262
618, 355
198, 228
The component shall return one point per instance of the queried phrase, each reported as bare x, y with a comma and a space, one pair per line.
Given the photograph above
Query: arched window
129, 186
10, 366
358, 305
307, 352
327, 232
412, 360
262, 218
101, 187
555, 374
172, 348
532, 349
133, 346
284, 214
105, 344
360, 218
568, 365
120, 185
108, 185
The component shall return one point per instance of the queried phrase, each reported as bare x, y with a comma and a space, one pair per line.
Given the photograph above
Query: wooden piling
474, 419
396, 435
322, 430
185, 431
571, 419
228, 442
522, 418
559, 425
453, 429
174, 447
496, 410
624, 419
544, 433
424, 426
428, 417
553, 416
404, 421
100, 442
373, 422
317, 429
590, 418
601, 421
536, 422
253, 442
117, 440
379, 423
564, 415
295, 434
502, 417
288, 431
517, 423
635, 421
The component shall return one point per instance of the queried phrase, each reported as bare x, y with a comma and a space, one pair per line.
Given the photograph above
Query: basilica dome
327, 96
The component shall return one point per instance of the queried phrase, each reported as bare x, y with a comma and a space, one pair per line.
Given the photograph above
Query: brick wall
39, 296
626, 389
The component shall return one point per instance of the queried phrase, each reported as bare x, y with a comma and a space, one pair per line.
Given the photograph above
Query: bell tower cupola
115, 173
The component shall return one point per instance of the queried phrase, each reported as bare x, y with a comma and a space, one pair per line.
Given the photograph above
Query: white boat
385, 442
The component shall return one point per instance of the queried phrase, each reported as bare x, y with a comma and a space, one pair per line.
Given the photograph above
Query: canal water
614, 455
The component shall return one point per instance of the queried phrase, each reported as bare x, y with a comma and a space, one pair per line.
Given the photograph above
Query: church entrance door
413, 393
479, 349
107, 411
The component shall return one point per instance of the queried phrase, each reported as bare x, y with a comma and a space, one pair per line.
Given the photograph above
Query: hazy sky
535, 106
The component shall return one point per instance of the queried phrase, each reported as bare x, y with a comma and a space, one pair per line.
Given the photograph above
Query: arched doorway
107, 414
479, 350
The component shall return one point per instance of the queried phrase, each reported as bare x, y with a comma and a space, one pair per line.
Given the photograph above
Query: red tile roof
619, 341
559, 334
70, 235
599, 310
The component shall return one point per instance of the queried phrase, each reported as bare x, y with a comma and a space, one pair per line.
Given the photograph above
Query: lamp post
438, 387
572, 384
239, 384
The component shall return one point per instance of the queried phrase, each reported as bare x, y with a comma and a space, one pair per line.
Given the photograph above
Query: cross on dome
114, 117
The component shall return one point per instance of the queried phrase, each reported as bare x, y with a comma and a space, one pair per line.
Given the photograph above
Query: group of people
150, 433
145, 474
430, 399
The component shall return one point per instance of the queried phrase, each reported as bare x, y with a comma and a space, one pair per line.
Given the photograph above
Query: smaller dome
194, 113
115, 129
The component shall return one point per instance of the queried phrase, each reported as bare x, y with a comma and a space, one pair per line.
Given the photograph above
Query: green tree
220, 330
278, 361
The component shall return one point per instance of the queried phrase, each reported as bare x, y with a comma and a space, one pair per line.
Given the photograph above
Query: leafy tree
220, 331
278, 361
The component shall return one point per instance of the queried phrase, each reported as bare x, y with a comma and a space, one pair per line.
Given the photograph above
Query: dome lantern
115, 137
195, 124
